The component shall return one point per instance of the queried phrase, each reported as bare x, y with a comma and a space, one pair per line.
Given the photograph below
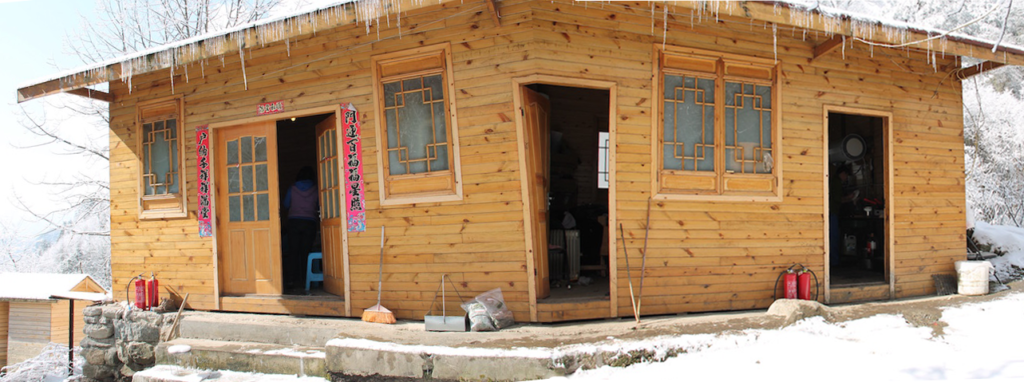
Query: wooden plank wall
704, 256
59, 322
4, 313
29, 330
708, 256
477, 241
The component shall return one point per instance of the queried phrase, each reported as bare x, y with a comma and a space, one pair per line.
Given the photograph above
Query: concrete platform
178, 374
344, 348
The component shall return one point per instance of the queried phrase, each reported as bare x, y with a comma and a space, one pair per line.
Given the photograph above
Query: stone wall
119, 341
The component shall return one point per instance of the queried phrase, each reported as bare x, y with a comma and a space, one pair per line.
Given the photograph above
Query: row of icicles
201, 49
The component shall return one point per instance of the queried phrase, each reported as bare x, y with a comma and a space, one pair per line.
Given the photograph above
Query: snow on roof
37, 286
331, 13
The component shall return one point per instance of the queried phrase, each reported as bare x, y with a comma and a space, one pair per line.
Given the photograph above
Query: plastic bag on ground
488, 312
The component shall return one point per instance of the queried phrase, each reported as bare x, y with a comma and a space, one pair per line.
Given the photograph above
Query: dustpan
444, 322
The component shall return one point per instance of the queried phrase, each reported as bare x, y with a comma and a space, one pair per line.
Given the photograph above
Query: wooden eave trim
92, 94
781, 13
828, 46
301, 25
971, 71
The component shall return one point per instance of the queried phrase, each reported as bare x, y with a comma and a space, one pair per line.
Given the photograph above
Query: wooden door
536, 110
332, 204
248, 223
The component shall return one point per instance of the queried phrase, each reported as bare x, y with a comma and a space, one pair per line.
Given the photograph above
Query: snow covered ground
982, 341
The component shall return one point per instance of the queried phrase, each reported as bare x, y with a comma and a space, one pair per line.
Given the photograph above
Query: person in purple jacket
302, 203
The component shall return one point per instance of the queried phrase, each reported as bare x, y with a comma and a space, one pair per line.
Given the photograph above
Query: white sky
32, 32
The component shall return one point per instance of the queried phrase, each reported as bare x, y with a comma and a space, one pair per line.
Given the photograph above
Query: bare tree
82, 217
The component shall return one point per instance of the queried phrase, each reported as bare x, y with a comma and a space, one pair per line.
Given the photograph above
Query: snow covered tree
77, 127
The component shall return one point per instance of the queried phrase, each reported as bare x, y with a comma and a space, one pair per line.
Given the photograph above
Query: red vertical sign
204, 212
355, 192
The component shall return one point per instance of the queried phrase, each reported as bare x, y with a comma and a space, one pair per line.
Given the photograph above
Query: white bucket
972, 277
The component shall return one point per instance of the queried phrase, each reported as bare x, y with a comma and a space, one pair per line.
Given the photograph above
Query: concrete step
259, 328
167, 373
248, 357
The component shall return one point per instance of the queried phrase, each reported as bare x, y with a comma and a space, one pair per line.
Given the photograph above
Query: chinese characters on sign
270, 108
355, 202
204, 212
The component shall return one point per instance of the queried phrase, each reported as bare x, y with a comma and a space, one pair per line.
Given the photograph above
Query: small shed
30, 317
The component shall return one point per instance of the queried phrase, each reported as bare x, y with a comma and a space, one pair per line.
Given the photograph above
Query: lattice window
716, 130
417, 132
689, 124
160, 157
160, 145
748, 128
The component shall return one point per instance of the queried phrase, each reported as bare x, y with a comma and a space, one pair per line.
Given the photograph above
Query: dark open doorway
297, 182
577, 193
857, 200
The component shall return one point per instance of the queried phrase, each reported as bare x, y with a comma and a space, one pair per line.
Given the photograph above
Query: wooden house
498, 141
31, 317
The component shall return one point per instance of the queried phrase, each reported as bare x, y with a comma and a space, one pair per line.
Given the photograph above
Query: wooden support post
493, 6
71, 337
971, 71
828, 46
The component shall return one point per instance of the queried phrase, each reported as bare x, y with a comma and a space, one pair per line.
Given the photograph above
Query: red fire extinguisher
152, 292
789, 284
804, 285
140, 294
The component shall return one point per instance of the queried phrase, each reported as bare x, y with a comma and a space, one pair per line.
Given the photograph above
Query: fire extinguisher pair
147, 292
796, 283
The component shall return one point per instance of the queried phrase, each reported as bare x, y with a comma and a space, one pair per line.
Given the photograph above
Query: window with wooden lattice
418, 156
717, 127
161, 144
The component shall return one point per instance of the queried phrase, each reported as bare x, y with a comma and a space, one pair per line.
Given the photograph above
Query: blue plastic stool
310, 276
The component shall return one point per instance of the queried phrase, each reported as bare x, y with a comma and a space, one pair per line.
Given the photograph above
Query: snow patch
179, 349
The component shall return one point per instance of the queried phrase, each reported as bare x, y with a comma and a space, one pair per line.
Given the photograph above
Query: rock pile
119, 342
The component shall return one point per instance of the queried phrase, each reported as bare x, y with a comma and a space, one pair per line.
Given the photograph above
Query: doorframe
517, 98
890, 224
336, 109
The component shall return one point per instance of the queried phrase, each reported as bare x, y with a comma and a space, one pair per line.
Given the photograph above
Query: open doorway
576, 196
306, 179
857, 193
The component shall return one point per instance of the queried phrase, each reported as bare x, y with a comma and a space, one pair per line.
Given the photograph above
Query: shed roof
41, 286
325, 14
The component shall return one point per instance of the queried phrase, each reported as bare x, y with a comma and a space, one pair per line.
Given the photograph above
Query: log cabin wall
704, 256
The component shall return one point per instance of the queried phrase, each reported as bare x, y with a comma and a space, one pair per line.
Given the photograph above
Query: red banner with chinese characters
355, 192
204, 211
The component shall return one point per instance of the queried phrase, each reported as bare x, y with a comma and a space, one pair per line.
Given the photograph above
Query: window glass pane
160, 159
172, 127
173, 169
688, 126
261, 177
391, 90
747, 136
233, 180
248, 208
434, 87
246, 149
260, 144
603, 141
232, 152
415, 122
262, 207
234, 208
247, 178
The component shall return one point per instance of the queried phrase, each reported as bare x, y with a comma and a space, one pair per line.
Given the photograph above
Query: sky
33, 34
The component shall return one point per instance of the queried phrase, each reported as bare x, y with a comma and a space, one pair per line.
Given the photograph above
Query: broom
377, 313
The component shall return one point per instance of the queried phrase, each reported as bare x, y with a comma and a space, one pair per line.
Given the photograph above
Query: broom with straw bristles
377, 313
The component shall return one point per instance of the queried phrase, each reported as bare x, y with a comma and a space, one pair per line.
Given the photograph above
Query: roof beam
93, 94
971, 71
828, 46
493, 6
